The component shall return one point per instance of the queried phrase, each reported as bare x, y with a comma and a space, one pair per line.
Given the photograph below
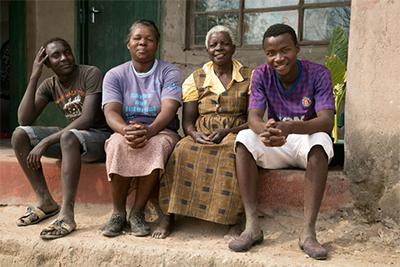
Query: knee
68, 140
19, 139
317, 156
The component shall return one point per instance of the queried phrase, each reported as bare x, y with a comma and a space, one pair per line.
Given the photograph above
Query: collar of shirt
213, 81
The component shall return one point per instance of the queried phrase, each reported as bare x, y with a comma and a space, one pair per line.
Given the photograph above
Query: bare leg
247, 175
70, 174
21, 145
314, 188
119, 191
146, 185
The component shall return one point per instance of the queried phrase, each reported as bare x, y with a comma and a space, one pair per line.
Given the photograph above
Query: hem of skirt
137, 175
225, 222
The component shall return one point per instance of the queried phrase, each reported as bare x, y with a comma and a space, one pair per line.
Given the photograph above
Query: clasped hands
137, 134
212, 138
274, 133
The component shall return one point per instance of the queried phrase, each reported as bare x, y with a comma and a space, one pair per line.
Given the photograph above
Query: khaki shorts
294, 154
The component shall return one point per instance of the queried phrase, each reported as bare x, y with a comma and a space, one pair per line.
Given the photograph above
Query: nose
142, 41
63, 57
279, 57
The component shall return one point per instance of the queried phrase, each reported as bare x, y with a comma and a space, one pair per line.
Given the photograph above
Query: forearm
308, 127
26, 110
237, 129
115, 121
161, 122
256, 123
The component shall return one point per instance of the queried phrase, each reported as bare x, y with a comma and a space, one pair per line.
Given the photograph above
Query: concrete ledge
278, 189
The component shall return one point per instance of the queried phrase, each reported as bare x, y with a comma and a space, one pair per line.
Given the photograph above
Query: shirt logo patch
306, 102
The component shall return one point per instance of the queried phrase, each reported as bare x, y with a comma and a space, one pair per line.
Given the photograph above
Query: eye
270, 53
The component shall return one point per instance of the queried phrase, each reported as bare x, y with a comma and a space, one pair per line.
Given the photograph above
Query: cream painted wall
372, 137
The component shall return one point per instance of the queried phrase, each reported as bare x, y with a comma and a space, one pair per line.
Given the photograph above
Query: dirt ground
351, 242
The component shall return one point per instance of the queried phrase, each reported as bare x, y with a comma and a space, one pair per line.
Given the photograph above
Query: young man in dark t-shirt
76, 90
297, 95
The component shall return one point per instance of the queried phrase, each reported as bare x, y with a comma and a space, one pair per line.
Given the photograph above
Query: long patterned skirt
200, 181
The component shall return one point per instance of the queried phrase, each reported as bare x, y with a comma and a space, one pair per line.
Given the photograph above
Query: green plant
336, 61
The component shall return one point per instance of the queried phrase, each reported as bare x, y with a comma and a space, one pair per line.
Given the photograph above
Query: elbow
24, 121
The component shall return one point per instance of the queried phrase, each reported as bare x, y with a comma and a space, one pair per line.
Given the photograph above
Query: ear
297, 48
127, 46
234, 49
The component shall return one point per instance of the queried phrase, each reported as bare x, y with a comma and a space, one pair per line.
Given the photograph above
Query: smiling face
60, 58
281, 54
220, 48
142, 44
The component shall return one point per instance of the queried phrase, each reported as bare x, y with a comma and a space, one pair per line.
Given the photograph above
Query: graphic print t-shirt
87, 80
141, 93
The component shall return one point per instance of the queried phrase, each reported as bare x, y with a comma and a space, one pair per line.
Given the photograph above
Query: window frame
300, 7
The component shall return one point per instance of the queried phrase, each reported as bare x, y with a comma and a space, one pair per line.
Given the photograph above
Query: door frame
17, 37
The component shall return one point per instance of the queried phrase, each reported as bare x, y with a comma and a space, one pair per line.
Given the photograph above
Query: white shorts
294, 154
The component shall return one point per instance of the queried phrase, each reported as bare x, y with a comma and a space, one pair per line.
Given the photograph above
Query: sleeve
112, 91
189, 90
323, 91
258, 99
172, 86
93, 81
44, 90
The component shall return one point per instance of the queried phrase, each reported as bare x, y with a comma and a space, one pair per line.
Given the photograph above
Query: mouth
281, 68
219, 56
66, 66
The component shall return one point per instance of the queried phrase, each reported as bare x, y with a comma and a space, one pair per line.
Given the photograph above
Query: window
313, 20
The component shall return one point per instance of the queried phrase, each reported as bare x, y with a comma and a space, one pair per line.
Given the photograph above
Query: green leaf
337, 69
338, 44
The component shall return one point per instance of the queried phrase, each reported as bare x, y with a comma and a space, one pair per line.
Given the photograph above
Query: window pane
215, 5
255, 24
203, 23
322, 1
319, 23
269, 3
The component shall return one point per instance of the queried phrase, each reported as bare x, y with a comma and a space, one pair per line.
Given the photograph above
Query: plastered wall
372, 137
47, 19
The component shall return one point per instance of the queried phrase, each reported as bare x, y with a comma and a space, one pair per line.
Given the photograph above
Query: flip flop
60, 226
34, 215
244, 243
315, 251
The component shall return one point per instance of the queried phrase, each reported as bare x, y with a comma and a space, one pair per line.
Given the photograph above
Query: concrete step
278, 189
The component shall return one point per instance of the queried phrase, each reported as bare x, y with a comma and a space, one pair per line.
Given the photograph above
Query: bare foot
234, 232
310, 245
164, 227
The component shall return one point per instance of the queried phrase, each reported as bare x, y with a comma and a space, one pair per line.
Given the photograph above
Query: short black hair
279, 29
144, 22
56, 39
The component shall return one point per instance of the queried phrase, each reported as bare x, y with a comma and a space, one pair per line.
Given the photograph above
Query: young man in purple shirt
297, 95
